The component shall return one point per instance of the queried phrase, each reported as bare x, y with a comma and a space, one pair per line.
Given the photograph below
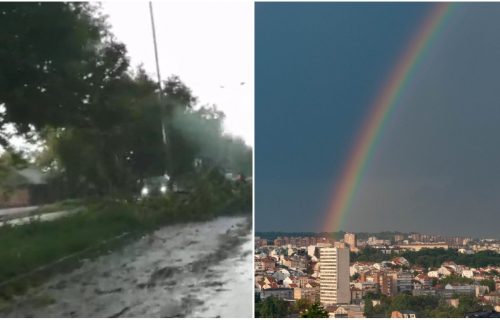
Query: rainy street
186, 270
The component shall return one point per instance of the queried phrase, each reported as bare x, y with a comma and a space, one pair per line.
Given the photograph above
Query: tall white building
350, 239
334, 276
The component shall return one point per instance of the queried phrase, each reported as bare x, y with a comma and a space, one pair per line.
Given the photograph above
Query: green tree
427, 306
271, 307
369, 254
9, 161
120, 144
315, 311
45, 78
368, 308
469, 303
433, 258
302, 304
488, 282
100, 122
455, 280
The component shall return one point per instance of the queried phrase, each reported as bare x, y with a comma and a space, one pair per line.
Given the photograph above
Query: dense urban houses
349, 275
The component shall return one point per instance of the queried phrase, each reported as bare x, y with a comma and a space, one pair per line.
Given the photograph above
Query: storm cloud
436, 169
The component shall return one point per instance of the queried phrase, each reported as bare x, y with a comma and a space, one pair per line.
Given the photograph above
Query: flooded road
186, 270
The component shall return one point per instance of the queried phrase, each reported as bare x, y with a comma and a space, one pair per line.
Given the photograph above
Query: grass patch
26, 248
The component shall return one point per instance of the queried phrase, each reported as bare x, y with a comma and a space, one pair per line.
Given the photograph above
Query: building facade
281, 293
334, 276
350, 239
404, 281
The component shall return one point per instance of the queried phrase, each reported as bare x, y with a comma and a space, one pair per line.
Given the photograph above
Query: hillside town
355, 278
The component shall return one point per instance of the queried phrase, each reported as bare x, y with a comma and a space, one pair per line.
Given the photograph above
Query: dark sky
319, 66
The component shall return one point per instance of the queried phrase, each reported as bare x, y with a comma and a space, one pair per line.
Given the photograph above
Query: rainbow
381, 110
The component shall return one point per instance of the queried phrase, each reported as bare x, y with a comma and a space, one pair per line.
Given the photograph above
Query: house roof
24, 177
400, 260
423, 277
450, 269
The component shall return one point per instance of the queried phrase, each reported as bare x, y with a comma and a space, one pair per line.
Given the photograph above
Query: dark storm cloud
437, 168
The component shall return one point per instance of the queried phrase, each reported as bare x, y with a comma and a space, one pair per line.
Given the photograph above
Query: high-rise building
417, 237
386, 284
334, 276
399, 237
350, 239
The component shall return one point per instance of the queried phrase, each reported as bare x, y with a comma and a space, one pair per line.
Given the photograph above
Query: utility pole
163, 131
162, 107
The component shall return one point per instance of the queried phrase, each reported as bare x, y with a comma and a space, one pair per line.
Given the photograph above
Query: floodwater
186, 270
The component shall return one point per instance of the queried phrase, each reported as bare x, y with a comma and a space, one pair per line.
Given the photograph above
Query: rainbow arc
384, 105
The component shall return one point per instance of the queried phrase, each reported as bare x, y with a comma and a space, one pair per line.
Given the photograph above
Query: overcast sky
319, 68
209, 44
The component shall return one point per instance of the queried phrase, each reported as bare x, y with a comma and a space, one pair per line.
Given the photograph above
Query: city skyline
434, 164
318, 233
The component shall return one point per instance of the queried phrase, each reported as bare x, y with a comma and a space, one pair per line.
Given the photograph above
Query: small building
337, 311
345, 311
356, 295
424, 292
420, 246
309, 294
450, 290
281, 293
23, 187
355, 311
492, 298
468, 273
400, 261
404, 281
403, 314
453, 302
